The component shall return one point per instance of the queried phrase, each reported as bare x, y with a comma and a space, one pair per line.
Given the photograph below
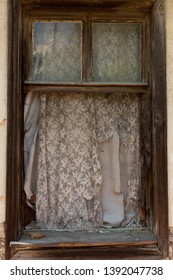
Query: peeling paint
3, 123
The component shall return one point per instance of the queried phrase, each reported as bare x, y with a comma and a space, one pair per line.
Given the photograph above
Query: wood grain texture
14, 129
79, 239
159, 144
137, 4
121, 253
95, 88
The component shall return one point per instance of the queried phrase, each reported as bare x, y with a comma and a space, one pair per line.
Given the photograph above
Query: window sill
34, 239
93, 245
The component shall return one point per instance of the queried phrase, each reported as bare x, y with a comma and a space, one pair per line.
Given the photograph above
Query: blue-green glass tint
57, 51
116, 52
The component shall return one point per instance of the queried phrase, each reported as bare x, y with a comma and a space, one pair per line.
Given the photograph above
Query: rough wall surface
3, 117
169, 30
3, 105
169, 42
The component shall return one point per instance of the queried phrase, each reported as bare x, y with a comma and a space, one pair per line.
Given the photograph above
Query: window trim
157, 202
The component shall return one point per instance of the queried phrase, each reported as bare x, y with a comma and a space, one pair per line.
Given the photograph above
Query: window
90, 70
79, 183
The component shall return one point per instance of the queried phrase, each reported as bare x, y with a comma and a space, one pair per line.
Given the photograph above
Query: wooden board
91, 238
159, 144
93, 3
92, 253
86, 87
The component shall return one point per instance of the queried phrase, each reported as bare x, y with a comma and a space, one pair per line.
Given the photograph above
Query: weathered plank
89, 238
159, 143
92, 253
139, 88
93, 3
14, 129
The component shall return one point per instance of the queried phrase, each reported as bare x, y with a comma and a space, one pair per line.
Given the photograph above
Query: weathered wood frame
154, 144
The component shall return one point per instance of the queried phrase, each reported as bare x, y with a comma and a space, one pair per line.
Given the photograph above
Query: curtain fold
31, 126
88, 160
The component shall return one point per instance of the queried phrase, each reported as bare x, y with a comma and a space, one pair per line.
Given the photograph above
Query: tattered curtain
82, 159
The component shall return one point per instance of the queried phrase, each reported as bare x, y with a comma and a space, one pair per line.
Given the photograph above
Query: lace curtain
82, 159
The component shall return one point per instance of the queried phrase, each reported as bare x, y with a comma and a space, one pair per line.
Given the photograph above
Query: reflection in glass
116, 52
57, 51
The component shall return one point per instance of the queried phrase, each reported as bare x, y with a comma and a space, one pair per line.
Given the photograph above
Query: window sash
87, 49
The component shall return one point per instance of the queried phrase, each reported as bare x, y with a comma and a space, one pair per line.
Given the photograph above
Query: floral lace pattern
126, 112
69, 170
57, 51
116, 52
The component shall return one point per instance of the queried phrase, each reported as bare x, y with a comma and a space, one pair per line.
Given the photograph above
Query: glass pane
57, 51
116, 52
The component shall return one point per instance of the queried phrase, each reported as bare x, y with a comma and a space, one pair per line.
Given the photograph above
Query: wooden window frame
154, 144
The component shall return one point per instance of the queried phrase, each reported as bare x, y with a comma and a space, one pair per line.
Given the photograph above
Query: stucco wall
3, 116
